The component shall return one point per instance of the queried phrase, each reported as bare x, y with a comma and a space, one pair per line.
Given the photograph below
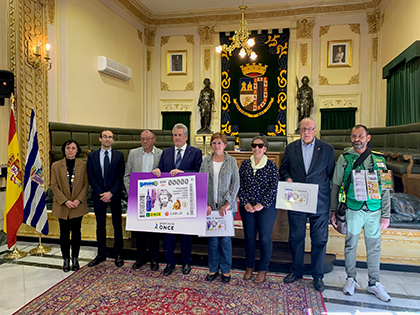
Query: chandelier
241, 40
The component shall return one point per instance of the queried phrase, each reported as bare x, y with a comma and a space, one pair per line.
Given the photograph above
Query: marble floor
23, 279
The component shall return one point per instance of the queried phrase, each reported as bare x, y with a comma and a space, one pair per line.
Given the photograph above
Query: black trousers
142, 238
169, 241
74, 227
319, 238
100, 213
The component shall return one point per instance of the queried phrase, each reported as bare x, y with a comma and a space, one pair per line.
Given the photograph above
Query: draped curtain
338, 118
403, 87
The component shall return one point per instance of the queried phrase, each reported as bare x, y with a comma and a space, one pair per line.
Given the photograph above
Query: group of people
252, 187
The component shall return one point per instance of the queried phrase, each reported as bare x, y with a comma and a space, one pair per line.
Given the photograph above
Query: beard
359, 145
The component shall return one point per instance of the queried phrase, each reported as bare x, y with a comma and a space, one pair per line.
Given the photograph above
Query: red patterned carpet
106, 289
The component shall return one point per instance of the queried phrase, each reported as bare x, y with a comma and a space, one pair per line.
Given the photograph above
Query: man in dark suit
144, 159
185, 159
309, 160
105, 169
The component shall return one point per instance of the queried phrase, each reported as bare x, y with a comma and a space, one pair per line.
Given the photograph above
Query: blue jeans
220, 253
261, 222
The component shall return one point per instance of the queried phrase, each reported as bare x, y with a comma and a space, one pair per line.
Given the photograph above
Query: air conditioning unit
113, 68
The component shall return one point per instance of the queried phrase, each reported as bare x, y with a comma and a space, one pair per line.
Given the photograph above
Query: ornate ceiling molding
304, 28
150, 18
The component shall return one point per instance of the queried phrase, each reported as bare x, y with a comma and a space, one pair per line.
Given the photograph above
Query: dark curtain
338, 118
170, 119
403, 94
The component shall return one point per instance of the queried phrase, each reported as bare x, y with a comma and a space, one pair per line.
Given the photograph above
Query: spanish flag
13, 210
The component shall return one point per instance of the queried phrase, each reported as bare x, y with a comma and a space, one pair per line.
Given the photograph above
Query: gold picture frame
339, 53
176, 62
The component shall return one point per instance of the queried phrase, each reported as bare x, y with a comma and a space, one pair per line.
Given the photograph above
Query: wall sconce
34, 56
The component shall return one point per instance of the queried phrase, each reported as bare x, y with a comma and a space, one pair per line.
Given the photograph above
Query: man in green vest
368, 207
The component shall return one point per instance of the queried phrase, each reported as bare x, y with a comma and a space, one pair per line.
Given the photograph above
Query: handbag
340, 218
340, 213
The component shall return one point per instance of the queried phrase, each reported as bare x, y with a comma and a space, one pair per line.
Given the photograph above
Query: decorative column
300, 63
149, 109
28, 35
377, 111
208, 69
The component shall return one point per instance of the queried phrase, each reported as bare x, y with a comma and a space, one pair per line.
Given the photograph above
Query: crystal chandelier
241, 39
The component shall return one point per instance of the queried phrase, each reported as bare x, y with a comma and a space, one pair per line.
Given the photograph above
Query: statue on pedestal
305, 99
205, 103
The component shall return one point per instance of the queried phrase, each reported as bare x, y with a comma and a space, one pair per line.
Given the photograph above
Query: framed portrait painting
176, 62
339, 53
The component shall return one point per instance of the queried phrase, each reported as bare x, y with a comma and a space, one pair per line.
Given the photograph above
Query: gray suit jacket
135, 163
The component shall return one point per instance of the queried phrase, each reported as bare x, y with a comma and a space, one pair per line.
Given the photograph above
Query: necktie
178, 159
106, 166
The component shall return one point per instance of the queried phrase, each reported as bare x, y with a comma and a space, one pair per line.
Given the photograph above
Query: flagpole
40, 249
15, 254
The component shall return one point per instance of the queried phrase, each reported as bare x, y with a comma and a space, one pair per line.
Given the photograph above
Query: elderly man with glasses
309, 160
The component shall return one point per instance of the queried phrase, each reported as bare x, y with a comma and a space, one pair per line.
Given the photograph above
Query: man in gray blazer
144, 159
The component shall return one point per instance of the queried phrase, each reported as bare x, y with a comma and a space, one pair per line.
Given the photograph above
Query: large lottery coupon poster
167, 204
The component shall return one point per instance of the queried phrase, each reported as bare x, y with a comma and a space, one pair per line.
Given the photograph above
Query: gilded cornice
189, 86
207, 59
206, 35
140, 35
149, 37
161, 19
303, 54
373, 19
189, 39
324, 30
304, 28
164, 40
355, 28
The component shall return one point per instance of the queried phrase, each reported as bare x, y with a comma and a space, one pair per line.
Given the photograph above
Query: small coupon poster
217, 225
359, 185
297, 197
166, 198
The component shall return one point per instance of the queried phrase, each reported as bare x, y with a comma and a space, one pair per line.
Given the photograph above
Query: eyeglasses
260, 145
307, 129
146, 139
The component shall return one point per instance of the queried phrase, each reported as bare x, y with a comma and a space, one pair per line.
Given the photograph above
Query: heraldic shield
253, 88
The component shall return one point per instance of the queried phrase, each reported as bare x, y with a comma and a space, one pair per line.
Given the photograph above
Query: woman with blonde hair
223, 186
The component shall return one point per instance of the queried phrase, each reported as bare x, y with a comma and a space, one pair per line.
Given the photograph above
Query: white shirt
216, 167
148, 159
